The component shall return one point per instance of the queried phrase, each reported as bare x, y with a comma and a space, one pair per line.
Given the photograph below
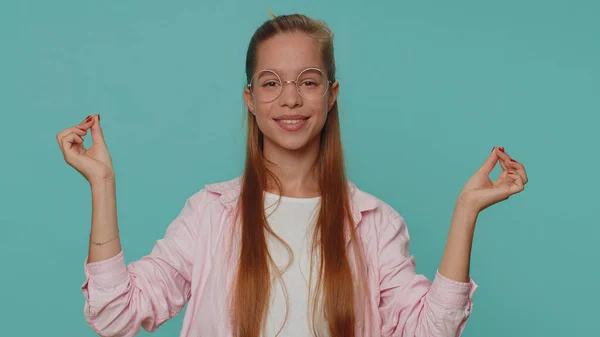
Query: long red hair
338, 288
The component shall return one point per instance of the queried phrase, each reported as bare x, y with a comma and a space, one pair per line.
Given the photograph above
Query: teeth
290, 121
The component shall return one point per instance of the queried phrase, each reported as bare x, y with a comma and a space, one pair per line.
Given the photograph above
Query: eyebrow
297, 70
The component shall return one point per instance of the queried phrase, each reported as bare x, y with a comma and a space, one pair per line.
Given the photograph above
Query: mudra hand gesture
481, 192
95, 162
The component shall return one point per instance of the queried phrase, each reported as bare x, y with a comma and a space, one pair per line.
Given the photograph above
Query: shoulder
382, 224
374, 209
369, 203
221, 194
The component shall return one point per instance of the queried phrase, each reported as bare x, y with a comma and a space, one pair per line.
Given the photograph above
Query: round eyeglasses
311, 84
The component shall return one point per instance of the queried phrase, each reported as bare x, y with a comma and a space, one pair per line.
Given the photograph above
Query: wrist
465, 214
464, 205
102, 183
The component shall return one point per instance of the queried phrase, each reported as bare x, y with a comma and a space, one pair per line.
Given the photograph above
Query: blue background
426, 89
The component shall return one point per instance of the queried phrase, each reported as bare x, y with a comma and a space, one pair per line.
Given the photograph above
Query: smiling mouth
292, 124
291, 118
291, 121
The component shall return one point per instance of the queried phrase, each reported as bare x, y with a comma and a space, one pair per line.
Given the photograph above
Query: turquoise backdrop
426, 89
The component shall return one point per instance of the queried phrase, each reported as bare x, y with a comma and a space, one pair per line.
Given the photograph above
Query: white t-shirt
293, 221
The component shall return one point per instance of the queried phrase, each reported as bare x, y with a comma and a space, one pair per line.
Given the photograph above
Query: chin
292, 143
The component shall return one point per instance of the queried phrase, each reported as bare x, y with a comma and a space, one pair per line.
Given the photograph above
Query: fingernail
493, 149
511, 172
89, 118
514, 161
502, 148
98, 117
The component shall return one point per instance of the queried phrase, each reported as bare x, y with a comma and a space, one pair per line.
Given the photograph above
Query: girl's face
290, 121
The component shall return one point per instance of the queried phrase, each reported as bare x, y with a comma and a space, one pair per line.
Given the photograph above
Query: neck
293, 168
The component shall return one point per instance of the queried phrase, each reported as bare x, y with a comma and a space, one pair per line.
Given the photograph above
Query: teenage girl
289, 247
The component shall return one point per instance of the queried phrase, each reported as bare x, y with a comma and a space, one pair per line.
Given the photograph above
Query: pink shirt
190, 264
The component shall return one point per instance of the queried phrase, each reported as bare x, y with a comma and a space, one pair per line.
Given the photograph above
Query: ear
248, 100
332, 95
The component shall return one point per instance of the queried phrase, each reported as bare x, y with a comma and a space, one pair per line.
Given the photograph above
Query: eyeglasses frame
329, 83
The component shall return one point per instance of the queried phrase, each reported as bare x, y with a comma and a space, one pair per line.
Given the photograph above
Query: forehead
289, 53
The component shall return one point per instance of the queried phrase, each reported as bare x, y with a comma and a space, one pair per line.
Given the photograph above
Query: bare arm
479, 193
95, 164
457, 254
104, 221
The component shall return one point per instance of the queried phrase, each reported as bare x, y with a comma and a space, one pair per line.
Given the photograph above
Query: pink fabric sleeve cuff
107, 273
452, 293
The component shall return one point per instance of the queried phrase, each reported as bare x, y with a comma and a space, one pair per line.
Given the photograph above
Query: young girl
290, 247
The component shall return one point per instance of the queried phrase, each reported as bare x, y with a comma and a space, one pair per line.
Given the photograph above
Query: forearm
104, 221
457, 254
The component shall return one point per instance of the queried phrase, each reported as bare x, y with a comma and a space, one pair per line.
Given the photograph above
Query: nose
289, 95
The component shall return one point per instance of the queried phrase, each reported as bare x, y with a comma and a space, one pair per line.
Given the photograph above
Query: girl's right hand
94, 163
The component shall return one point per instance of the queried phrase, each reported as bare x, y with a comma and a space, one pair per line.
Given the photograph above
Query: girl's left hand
480, 192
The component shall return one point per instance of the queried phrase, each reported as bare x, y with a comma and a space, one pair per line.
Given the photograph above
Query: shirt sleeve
410, 304
120, 299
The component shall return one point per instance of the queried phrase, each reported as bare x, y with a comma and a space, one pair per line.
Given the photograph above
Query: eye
270, 84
